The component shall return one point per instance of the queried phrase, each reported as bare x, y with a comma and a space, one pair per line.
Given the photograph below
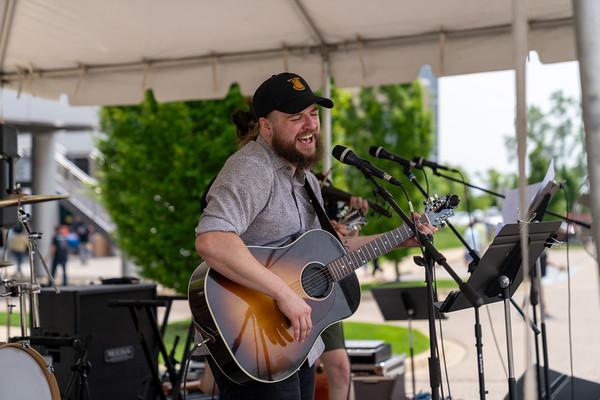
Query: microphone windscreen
338, 152
374, 151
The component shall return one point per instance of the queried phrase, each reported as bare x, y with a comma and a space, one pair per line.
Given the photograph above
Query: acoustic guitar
247, 335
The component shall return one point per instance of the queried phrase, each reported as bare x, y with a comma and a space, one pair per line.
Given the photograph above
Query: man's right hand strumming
226, 253
297, 312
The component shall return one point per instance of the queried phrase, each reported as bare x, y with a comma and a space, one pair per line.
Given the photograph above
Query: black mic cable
421, 162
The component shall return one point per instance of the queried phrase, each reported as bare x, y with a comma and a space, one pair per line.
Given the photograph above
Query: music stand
503, 257
404, 303
499, 274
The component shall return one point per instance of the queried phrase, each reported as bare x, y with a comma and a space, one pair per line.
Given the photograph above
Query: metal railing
82, 190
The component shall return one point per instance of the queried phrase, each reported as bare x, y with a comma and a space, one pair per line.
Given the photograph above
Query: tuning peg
453, 200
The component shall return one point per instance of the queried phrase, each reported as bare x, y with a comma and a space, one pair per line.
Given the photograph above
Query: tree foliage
393, 116
156, 159
556, 134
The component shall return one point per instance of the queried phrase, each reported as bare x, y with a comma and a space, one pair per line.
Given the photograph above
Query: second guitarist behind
259, 199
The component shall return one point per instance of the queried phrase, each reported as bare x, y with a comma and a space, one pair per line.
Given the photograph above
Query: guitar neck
344, 266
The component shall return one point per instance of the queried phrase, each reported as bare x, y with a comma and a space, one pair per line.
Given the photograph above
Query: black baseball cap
285, 92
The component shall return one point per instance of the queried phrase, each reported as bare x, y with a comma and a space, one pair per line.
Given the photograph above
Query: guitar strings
340, 269
327, 272
317, 276
309, 279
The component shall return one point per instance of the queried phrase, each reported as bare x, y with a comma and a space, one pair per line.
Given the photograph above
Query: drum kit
25, 373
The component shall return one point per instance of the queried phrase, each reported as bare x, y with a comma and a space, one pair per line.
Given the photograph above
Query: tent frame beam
7, 20
328, 48
315, 31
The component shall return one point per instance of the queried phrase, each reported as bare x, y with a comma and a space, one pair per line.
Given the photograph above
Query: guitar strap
323, 219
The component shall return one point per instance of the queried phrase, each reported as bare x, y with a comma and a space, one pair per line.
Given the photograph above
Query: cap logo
297, 83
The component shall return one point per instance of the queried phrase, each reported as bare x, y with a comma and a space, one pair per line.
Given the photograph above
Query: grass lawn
14, 320
441, 284
179, 328
397, 336
446, 239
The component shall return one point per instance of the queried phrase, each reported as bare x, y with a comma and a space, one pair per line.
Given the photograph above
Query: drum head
25, 374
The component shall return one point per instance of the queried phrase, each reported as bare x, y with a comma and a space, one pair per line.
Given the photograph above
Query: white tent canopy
109, 52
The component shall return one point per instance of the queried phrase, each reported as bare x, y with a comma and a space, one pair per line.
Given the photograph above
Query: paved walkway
458, 331
458, 328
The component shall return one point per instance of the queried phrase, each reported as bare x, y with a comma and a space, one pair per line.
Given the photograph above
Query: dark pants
19, 255
55, 264
299, 386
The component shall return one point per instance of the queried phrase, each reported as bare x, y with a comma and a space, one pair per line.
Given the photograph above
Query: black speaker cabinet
119, 369
379, 387
9, 153
560, 387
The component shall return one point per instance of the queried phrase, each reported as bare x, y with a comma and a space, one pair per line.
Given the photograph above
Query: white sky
477, 111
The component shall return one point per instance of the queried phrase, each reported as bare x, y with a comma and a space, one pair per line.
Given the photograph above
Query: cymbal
16, 199
4, 264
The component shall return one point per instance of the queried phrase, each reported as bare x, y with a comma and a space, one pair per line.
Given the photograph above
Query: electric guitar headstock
439, 209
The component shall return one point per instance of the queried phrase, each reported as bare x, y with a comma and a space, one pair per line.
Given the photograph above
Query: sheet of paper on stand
510, 205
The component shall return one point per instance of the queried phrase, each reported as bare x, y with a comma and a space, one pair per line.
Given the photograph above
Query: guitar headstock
439, 209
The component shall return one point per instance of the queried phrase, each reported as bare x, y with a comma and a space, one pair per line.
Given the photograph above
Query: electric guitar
247, 335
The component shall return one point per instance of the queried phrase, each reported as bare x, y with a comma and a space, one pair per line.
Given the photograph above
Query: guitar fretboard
344, 266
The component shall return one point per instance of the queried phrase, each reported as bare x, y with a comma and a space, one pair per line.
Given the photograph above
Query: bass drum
24, 374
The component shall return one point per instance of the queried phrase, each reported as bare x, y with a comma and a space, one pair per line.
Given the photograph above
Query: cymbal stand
34, 250
5, 261
6, 281
504, 284
12, 288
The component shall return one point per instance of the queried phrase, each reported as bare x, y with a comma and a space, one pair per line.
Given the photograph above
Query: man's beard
289, 152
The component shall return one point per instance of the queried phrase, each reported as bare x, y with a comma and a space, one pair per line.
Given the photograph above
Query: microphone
420, 162
347, 156
380, 152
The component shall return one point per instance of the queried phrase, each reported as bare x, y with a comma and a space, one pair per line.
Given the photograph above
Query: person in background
19, 245
59, 251
335, 358
83, 232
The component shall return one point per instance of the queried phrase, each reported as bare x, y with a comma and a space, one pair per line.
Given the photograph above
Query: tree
393, 116
156, 159
555, 135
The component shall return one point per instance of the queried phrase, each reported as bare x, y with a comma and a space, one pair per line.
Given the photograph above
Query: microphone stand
475, 260
535, 294
431, 257
475, 257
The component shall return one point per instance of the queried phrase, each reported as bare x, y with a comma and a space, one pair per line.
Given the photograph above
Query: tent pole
587, 26
326, 114
520, 52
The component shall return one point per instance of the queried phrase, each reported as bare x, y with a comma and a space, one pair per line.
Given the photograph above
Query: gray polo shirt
256, 196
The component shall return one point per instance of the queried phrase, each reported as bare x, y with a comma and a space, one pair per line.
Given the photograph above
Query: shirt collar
278, 162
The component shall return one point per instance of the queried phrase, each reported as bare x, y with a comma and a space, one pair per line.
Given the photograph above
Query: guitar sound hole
316, 281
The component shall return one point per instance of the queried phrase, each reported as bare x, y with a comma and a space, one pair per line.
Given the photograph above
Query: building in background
56, 148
